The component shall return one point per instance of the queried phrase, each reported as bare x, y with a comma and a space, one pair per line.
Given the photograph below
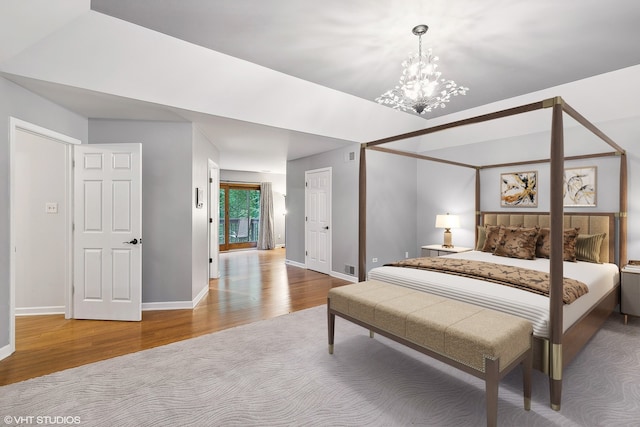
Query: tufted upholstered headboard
595, 223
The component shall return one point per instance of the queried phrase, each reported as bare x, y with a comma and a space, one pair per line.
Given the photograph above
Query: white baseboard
336, 274
5, 351
37, 311
168, 305
343, 276
201, 295
280, 246
295, 263
176, 305
146, 306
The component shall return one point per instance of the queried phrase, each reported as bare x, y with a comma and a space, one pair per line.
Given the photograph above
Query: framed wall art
519, 189
580, 187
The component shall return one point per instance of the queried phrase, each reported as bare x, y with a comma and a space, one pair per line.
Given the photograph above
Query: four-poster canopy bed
560, 340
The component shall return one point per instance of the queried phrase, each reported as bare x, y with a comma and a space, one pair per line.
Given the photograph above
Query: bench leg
331, 319
555, 387
527, 367
371, 334
492, 379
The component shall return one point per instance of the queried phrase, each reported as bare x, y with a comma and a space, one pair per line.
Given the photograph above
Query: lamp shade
447, 221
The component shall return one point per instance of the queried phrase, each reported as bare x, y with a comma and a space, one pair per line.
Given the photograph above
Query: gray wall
391, 208
22, 104
167, 196
344, 216
445, 189
626, 133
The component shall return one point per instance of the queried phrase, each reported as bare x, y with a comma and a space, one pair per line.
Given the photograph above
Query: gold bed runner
516, 277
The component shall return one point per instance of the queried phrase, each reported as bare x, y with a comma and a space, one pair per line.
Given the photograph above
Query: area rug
278, 372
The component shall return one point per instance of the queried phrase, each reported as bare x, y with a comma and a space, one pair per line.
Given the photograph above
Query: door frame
15, 125
231, 185
214, 219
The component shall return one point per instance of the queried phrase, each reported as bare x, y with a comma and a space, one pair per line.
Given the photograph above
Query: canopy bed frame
552, 354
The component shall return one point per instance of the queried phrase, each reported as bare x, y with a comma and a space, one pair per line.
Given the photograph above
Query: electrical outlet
374, 260
51, 208
406, 254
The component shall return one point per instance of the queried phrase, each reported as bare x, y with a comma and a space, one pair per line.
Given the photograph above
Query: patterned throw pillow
543, 246
491, 237
517, 242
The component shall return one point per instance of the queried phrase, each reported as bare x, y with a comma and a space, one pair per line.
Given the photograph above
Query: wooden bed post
556, 215
362, 216
478, 213
622, 232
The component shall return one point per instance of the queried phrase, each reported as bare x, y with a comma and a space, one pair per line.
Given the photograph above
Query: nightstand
439, 250
630, 292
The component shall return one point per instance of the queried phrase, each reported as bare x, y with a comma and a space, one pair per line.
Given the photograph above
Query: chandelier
421, 89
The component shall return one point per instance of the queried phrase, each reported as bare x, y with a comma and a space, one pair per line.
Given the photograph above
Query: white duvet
600, 278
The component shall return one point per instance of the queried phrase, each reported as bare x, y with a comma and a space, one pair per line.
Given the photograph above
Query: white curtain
266, 236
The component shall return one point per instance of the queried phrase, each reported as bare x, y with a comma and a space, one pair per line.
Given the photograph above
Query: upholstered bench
485, 343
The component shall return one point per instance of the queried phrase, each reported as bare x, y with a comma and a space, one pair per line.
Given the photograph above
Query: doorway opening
40, 193
239, 217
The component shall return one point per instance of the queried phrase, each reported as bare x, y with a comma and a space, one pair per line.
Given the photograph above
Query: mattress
599, 278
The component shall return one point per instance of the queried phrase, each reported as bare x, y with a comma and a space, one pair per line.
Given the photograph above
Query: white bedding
600, 278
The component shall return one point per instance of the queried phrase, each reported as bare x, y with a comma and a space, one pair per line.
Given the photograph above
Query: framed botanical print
580, 187
519, 189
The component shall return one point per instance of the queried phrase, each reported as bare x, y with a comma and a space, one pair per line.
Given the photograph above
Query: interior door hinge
73, 163
210, 180
306, 253
306, 184
211, 220
73, 226
210, 260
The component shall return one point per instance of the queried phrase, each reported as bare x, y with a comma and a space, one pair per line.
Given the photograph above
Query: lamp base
447, 239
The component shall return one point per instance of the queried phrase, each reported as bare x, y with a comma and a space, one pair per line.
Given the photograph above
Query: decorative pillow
543, 246
517, 242
482, 237
588, 247
491, 237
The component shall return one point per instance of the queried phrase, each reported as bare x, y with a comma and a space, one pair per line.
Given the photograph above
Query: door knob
132, 242
326, 227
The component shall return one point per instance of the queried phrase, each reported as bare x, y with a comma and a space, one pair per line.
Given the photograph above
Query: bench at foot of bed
485, 343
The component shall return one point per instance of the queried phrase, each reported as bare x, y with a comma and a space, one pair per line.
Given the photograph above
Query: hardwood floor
253, 285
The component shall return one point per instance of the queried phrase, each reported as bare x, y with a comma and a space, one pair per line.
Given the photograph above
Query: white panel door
318, 220
108, 232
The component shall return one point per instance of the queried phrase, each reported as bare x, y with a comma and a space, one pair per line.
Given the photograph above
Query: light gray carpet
278, 372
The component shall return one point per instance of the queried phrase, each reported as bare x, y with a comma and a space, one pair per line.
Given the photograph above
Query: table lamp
447, 222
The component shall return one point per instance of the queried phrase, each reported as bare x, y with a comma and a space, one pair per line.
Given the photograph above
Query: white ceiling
268, 81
